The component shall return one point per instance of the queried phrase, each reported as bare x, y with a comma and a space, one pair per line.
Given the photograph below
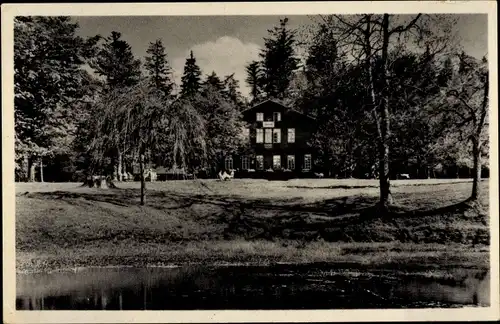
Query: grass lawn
64, 225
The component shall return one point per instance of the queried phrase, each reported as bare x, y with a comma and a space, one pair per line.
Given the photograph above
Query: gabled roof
280, 104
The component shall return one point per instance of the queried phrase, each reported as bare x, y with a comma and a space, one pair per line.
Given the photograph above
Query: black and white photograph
292, 160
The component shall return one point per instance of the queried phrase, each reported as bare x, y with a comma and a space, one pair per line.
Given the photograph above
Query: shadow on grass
348, 218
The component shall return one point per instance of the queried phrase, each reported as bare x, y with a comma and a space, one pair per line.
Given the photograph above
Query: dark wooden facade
274, 153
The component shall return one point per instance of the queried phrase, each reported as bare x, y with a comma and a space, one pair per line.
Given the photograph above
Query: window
277, 116
228, 163
276, 135
307, 162
245, 162
291, 135
276, 161
259, 160
268, 135
260, 136
291, 162
260, 116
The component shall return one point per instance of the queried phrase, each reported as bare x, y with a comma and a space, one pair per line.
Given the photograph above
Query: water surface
244, 288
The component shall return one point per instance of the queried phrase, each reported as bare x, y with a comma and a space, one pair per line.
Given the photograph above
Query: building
277, 143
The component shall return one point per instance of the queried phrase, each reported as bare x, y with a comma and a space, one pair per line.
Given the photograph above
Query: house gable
269, 106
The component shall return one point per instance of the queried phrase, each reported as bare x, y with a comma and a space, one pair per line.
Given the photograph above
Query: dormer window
276, 116
260, 117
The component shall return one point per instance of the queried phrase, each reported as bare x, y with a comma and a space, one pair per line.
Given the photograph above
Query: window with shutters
276, 116
276, 135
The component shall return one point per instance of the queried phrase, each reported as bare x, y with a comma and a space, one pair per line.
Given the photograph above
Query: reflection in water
279, 287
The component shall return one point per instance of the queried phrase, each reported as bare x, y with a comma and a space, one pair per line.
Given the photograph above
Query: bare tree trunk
385, 129
26, 167
41, 170
32, 172
143, 182
476, 188
120, 164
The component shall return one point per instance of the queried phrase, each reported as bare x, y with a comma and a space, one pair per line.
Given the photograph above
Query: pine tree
322, 59
191, 83
115, 61
254, 79
231, 90
214, 81
279, 60
158, 68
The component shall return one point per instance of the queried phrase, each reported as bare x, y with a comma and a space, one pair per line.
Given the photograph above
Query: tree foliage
232, 91
49, 81
278, 60
465, 109
254, 79
115, 61
191, 79
223, 124
159, 71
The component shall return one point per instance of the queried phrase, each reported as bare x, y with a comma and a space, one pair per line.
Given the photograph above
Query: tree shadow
270, 218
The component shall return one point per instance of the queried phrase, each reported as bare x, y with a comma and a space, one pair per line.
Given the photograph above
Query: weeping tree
141, 121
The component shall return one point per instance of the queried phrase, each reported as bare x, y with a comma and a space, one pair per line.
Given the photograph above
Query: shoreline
395, 256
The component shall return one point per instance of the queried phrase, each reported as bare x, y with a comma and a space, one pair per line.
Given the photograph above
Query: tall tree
278, 60
191, 79
232, 90
254, 79
322, 60
49, 80
333, 95
223, 125
370, 39
467, 106
214, 81
158, 69
115, 61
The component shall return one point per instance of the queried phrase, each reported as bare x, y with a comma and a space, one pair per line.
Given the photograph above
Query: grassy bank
249, 221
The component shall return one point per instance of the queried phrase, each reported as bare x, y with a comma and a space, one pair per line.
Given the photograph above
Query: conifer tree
158, 69
232, 90
191, 79
278, 60
115, 61
214, 81
254, 79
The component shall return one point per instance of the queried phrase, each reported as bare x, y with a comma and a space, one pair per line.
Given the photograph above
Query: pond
237, 287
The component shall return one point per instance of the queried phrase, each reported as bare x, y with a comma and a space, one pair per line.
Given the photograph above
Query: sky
225, 44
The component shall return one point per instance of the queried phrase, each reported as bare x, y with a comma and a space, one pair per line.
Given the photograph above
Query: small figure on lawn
223, 175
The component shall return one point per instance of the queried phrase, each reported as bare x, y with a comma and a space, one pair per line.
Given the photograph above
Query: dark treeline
390, 93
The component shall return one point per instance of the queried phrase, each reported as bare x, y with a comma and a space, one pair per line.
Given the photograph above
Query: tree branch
401, 29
